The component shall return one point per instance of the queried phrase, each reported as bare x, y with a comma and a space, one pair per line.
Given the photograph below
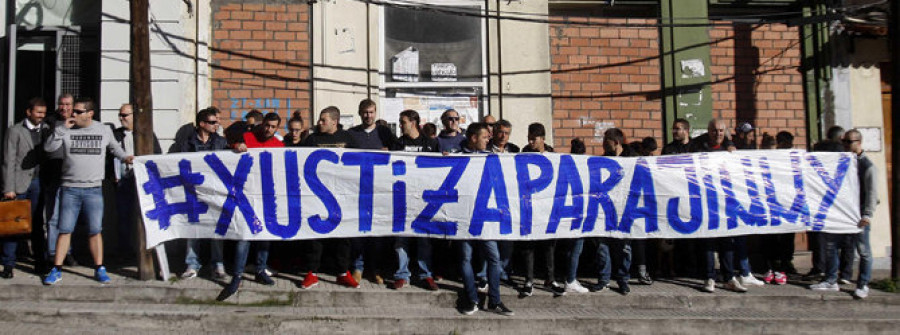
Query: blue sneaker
101, 276
53, 277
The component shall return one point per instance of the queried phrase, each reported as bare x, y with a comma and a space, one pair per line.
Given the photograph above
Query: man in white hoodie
84, 144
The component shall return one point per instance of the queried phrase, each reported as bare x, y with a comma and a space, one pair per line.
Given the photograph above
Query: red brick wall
605, 74
755, 71
260, 58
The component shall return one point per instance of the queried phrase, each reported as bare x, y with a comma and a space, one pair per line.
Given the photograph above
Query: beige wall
865, 88
520, 74
340, 50
866, 111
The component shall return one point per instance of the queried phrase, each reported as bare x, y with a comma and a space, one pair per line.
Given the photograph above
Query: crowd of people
60, 161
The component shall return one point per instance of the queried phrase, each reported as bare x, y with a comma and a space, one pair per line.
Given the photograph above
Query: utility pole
894, 26
143, 114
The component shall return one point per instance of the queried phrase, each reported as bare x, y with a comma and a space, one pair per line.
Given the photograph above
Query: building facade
577, 66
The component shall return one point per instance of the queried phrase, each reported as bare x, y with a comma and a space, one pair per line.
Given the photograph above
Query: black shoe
7, 272
500, 309
599, 287
264, 278
231, 289
645, 279
556, 288
70, 261
623, 287
813, 275
527, 290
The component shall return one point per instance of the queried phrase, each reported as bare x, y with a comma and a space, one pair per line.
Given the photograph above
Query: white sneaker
710, 286
576, 287
736, 286
825, 286
190, 273
861, 293
750, 280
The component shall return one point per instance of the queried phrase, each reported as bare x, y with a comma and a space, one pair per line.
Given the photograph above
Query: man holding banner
477, 138
413, 140
614, 252
716, 139
204, 137
84, 145
868, 199
329, 135
261, 136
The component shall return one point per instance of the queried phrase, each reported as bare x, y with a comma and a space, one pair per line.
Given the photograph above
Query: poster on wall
430, 108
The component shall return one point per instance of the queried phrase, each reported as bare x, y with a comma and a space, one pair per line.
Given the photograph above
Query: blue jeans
423, 257
741, 258
192, 260
506, 249
839, 255
725, 246
577, 245
489, 251
77, 200
242, 251
613, 252
51, 210
9, 244
864, 249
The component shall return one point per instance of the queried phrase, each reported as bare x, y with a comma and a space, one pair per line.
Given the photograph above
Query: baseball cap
744, 127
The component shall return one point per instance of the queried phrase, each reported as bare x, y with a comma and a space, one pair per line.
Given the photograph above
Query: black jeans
779, 251
340, 247
817, 245
547, 248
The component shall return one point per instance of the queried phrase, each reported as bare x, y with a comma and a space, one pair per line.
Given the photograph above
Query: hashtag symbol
157, 185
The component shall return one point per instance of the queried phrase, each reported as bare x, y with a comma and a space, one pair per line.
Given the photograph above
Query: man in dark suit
21, 160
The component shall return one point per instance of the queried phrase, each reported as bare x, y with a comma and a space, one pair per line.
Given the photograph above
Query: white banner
305, 193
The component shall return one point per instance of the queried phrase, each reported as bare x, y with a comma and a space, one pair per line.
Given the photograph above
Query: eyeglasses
211, 122
849, 141
452, 118
124, 115
78, 111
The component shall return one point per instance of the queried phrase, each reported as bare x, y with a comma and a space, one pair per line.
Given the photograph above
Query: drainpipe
312, 53
499, 64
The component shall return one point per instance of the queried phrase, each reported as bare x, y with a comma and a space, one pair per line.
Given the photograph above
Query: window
433, 60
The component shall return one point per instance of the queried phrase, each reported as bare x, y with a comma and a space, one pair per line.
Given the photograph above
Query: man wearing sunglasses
126, 194
868, 199
84, 144
451, 137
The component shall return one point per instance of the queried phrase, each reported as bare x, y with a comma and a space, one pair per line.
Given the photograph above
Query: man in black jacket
329, 135
370, 252
500, 141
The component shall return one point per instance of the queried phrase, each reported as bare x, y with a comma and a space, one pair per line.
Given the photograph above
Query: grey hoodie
84, 153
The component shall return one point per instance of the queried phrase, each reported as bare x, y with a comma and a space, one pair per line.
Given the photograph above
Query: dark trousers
126, 198
38, 242
547, 249
339, 247
840, 251
613, 259
725, 247
779, 251
817, 245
